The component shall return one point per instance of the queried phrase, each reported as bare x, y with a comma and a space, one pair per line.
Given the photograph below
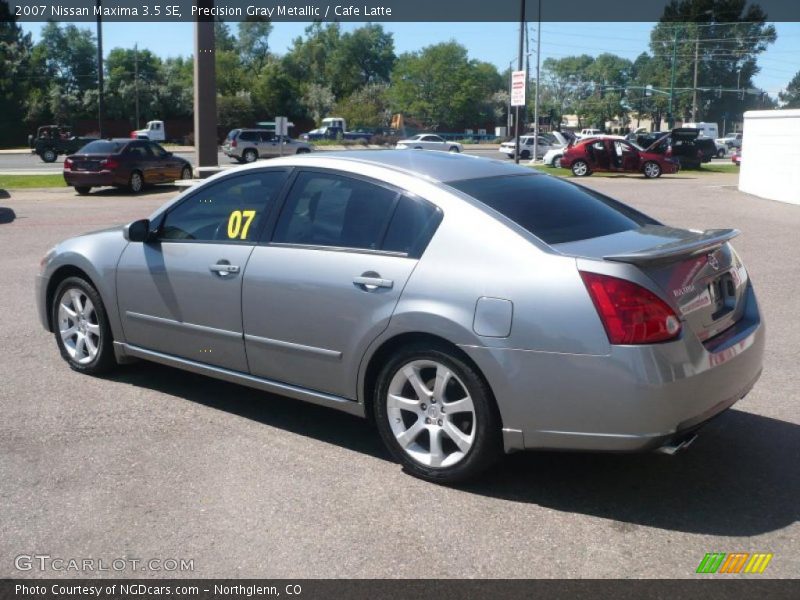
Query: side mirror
138, 231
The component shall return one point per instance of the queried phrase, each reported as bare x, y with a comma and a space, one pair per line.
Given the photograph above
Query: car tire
250, 155
721, 153
187, 173
82, 189
49, 155
557, 162
651, 170
580, 168
468, 441
525, 155
82, 332
136, 182
303, 151
454, 149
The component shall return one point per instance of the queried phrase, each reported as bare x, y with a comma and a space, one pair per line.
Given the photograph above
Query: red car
736, 158
616, 155
123, 163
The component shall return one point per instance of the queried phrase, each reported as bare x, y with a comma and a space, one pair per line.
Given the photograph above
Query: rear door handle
223, 269
373, 283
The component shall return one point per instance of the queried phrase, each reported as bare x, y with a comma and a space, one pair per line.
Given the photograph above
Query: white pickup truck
153, 131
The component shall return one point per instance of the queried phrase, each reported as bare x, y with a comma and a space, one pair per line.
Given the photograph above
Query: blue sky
491, 42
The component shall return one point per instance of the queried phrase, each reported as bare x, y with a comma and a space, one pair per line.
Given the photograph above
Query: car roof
437, 166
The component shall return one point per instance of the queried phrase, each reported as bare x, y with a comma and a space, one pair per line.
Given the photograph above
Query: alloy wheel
78, 325
136, 182
431, 413
580, 168
652, 170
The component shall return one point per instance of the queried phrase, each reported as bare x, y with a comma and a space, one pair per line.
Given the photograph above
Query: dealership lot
156, 463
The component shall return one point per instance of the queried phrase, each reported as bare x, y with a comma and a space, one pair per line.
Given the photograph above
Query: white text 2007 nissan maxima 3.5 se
467, 305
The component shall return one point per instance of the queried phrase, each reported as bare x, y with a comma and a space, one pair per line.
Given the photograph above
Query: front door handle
224, 268
373, 283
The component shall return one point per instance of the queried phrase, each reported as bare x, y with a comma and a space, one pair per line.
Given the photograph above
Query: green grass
17, 182
717, 168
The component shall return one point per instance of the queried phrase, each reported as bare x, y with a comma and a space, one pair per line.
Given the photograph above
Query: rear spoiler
702, 243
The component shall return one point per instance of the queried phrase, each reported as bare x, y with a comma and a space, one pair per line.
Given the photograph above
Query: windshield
102, 147
553, 210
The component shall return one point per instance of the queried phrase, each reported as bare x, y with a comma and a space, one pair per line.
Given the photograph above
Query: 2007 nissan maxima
468, 306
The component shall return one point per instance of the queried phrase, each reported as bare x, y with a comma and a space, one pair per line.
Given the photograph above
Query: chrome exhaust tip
676, 445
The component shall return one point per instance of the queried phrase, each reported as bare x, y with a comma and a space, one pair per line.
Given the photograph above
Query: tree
362, 57
223, 38
319, 100
366, 107
791, 96
442, 88
726, 36
275, 93
15, 84
309, 58
253, 42
234, 111
125, 79
70, 57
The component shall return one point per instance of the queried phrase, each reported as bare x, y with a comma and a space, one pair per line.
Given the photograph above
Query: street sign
518, 88
281, 126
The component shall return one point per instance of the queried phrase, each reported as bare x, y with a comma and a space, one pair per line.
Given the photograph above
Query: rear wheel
436, 415
136, 182
250, 155
303, 151
49, 155
721, 153
82, 331
651, 170
82, 189
454, 149
580, 168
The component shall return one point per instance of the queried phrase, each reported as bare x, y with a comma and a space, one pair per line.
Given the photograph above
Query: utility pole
536, 92
694, 85
136, 79
671, 121
205, 92
100, 102
519, 68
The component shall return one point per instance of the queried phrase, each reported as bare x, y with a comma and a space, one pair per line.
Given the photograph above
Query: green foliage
235, 111
253, 42
368, 106
15, 82
791, 96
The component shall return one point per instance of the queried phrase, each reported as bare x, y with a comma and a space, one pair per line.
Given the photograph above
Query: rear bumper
92, 178
632, 399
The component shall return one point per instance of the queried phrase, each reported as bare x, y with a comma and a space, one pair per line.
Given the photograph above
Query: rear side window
102, 147
330, 210
249, 136
412, 226
554, 211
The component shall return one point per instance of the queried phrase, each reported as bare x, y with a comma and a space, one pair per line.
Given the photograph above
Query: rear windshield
102, 147
553, 210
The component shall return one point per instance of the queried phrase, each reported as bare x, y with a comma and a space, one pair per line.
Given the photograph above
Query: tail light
233, 143
109, 164
133, 135
67, 164
630, 313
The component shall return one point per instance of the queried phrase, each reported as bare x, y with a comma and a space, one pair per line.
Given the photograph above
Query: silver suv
248, 145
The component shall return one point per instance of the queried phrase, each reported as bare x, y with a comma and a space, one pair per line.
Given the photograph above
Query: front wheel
82, 332
651, 170
437, 415
580, 168
250, 156
524, 155
49, 155
454, 149
187, 173
721, 153
303, 151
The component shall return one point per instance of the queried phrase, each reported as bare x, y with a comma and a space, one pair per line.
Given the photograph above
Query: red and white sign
518, 88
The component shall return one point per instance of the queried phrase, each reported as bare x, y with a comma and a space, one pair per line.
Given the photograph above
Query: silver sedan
467, 306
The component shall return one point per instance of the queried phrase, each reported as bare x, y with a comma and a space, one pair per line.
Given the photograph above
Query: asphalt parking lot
157, 463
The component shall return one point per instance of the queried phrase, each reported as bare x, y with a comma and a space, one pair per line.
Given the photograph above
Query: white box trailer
771, 155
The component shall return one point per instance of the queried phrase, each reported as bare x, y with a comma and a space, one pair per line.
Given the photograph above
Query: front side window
158, 150
231, 210
330, 210
138, 151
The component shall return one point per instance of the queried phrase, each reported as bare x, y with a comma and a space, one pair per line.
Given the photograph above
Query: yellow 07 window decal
239, 223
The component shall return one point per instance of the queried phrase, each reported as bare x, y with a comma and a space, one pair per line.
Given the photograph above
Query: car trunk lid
88, 162
698, 272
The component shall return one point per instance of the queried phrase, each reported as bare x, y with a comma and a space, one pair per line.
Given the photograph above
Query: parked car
617, 155
248, 145
467, 306
429, 141
736, 157
552, 157
732, 140
708, 148
52, 140
681, 144
334, 132
526, 146
123, 163
586, 133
